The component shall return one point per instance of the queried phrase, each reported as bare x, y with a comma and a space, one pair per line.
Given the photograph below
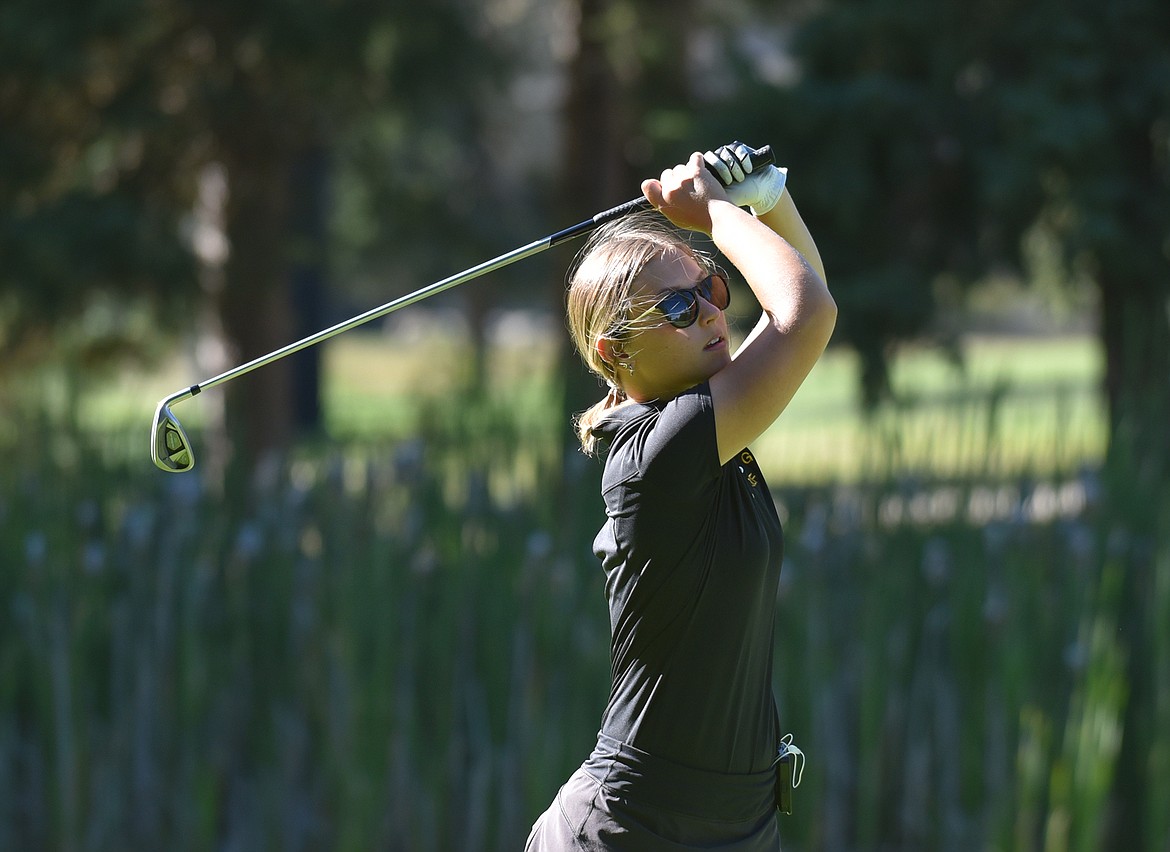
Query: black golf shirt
691, 552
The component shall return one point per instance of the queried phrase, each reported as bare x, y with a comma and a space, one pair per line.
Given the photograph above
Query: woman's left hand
759, 190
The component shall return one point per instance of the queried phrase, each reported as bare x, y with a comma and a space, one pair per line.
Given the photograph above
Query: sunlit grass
1015, 406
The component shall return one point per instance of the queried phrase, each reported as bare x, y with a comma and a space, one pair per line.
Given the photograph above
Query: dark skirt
624, 799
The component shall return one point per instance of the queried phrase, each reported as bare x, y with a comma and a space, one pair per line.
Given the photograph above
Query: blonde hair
601, 299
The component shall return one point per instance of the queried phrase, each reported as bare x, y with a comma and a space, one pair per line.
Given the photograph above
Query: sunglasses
681, 307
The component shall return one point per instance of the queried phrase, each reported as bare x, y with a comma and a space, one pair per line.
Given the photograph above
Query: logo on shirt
747, 458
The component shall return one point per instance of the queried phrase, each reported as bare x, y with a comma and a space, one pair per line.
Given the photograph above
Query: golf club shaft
761, 157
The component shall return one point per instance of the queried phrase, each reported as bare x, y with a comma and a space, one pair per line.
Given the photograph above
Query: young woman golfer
691, 547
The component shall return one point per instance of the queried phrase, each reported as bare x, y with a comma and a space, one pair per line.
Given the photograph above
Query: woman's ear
609, 350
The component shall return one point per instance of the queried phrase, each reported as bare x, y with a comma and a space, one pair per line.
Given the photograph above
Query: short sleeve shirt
691, 551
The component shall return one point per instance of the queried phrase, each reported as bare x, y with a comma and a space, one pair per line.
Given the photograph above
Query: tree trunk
254, 307
273, 287
310, 189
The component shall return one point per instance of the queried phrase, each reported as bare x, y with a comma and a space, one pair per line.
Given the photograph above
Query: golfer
692, 544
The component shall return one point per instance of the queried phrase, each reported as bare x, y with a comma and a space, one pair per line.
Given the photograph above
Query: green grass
1017, 406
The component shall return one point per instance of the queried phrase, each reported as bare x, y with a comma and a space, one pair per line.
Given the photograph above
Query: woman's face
669, 360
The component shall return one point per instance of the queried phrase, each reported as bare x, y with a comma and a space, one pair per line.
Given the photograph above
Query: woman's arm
778, 258
785, 220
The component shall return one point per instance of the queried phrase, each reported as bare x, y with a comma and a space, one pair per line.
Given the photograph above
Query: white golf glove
759, 190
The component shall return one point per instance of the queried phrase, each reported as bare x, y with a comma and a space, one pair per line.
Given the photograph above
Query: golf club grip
760, 157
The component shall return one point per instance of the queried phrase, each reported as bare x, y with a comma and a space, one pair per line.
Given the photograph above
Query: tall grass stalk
1083, 773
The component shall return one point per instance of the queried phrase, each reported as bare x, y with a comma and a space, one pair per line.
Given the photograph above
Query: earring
628, 366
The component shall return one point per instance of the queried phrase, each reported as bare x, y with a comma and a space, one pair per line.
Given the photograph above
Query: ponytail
586, 422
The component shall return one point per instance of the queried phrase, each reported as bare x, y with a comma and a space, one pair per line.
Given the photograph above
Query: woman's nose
707, 310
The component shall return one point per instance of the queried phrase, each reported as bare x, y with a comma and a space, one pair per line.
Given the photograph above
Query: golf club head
169, 448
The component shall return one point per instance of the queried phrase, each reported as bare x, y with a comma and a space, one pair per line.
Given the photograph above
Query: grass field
1016, 406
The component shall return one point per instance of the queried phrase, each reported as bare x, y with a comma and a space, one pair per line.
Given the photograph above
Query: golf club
170, 449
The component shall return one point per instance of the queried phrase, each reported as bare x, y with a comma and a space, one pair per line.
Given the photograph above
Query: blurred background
371, 617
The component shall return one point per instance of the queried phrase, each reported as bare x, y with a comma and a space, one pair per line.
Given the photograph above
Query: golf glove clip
789, 765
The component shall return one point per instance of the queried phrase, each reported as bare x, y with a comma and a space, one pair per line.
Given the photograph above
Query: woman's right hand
684, 194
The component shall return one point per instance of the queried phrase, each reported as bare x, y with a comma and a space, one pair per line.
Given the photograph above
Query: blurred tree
109, 111
84, 193
882, 154
932, 140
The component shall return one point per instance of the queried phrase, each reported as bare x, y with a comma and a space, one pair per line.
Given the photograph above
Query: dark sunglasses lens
681, 308
714, 289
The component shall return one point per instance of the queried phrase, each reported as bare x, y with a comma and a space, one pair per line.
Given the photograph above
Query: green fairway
1018, 405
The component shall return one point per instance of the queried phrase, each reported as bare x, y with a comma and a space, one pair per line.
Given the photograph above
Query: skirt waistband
660, 783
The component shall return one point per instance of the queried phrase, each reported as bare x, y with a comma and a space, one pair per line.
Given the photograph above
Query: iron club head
169, 448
